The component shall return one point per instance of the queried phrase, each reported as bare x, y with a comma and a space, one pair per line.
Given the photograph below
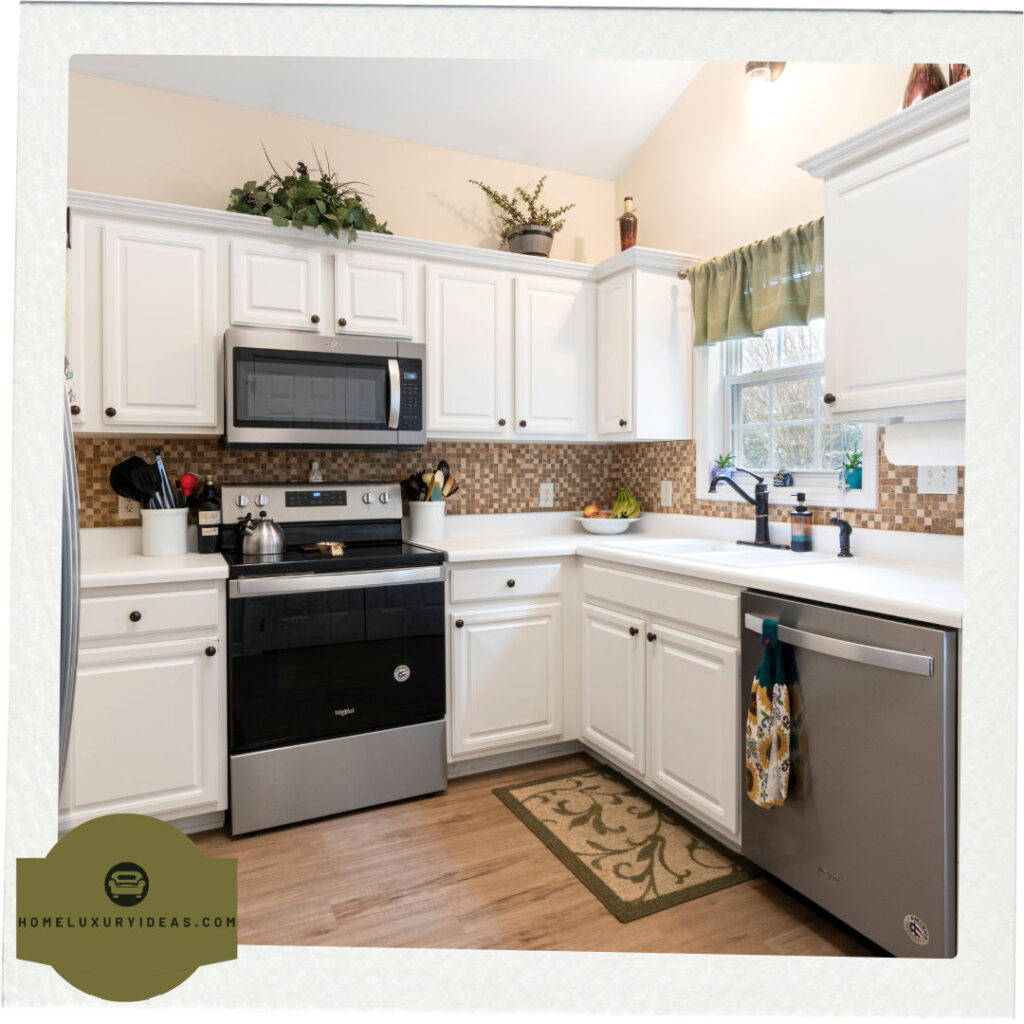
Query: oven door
308, 664
290, 389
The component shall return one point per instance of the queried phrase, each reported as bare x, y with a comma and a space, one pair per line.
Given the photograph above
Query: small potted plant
724, 465
853, 469
528, 226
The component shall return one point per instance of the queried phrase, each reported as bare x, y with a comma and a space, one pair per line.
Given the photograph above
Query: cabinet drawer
506, 581
702, 607
126, 615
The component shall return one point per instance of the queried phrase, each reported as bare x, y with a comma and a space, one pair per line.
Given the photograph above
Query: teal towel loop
769, 672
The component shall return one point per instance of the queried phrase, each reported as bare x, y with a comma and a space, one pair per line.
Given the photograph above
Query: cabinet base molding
725, 838
492, 762
199, 822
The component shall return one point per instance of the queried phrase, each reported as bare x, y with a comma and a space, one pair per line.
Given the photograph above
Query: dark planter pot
854, 479
533, 240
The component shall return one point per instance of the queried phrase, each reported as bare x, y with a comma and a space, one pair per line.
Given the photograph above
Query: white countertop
112, 557
914, 576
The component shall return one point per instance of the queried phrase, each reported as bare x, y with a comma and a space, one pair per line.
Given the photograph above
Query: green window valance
776, 282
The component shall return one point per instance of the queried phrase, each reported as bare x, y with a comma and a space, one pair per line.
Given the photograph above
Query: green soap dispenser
800, 524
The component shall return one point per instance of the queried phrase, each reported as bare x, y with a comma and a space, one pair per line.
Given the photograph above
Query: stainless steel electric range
336, 670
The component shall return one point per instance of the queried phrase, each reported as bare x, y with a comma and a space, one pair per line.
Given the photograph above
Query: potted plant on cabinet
529, 228
853, 469
724, 465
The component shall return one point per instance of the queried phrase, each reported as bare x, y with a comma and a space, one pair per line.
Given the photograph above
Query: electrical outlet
936, 480
127, 509
547, 495
666, 493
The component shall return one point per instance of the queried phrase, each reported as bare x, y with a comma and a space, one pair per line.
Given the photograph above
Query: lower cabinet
506, 672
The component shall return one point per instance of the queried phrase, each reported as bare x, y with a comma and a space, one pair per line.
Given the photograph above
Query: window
762, 400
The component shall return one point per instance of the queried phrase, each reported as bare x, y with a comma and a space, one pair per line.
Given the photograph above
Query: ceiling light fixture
760, 76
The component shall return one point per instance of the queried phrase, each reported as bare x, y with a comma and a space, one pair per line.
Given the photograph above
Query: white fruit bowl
605, 526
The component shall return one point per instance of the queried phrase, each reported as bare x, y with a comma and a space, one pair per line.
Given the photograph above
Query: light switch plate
547, 495
666, 493
127, 509
936, 480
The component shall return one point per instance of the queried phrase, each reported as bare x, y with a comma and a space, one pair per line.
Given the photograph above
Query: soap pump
800, 524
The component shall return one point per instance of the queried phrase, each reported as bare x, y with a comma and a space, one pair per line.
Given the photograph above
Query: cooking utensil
146, 480
166, 492
188, 484
121, 480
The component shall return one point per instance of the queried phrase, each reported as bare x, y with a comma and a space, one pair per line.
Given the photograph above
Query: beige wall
151, 144
710, 178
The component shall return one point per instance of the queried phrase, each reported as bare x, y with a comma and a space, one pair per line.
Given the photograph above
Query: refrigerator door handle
71, 593
864, 654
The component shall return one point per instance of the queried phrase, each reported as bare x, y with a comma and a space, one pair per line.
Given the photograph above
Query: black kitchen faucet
760, 503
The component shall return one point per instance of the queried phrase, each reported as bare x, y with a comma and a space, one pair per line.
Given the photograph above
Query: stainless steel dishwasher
868, 830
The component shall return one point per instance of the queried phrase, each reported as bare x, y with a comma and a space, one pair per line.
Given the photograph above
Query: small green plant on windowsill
853, 469
724, 465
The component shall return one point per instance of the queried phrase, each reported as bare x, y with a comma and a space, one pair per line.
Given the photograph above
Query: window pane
754, 448
794, 399
794, 447
758, 353
754, 404
836, 440
800, 345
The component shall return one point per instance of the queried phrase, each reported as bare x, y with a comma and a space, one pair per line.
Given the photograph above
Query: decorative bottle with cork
208, 516
627, 225
800, 525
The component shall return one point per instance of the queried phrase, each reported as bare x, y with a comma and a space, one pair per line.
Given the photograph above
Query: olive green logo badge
126, 907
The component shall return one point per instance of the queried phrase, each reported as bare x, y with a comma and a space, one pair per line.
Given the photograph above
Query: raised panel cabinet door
615, 412
469, 352
506, 677
613, 685
160, 343
552, 356
275, 286
694, 725
896, 281
374, 295
148, 732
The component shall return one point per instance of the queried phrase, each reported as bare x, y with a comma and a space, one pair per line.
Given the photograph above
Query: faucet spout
760, 503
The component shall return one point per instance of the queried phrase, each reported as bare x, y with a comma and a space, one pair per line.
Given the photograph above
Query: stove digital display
314, 499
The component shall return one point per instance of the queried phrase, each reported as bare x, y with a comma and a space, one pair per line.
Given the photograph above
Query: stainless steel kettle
263, 537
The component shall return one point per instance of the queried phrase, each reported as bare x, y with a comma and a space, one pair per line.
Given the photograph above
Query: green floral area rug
631, 851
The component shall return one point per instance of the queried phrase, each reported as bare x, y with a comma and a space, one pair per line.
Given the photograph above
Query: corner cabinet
896, 262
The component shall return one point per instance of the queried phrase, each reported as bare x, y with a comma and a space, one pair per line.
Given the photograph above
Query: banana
626, 506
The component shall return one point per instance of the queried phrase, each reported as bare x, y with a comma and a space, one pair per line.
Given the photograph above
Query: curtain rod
684, 274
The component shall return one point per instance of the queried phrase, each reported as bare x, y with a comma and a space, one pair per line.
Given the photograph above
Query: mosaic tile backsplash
503, 477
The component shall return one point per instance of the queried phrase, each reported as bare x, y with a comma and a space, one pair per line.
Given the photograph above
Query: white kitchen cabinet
374, 294
644, 347
506, 676
160, 344
896, 262
149, 725
553, 332
274, 285
693, 734
612, 685
469, 351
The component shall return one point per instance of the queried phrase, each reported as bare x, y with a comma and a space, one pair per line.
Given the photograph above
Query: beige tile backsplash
502, 477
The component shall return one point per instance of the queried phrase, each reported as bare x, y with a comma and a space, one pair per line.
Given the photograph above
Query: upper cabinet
276, 285
896, 262
374, 294
644, 347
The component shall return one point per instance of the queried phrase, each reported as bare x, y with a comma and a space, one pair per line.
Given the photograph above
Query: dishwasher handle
864, 654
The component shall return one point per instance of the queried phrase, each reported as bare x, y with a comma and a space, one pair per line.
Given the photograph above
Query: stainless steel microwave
290, 389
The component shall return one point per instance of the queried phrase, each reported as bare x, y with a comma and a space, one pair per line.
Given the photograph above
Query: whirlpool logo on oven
343, 712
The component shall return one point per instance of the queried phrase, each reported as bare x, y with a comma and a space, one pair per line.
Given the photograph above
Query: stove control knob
241, 501
368, 498
385, 498
261, 500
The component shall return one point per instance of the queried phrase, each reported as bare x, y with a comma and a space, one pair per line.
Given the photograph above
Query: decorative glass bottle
925, 80
627, 225
958, 72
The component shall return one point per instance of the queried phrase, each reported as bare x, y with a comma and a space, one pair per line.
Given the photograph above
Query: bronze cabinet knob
622, 423
342, 321
211, 651
829, 398
314, 319
76, 410
510, 583
651, 637
135, 616
501, 422
459, 623
111, 411
633, 631
522, 423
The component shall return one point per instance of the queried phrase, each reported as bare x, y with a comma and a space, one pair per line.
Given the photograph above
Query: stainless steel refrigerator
70, 590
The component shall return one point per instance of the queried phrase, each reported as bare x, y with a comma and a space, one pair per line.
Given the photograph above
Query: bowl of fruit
617, 519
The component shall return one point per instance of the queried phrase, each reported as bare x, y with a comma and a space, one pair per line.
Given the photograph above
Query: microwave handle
396, 394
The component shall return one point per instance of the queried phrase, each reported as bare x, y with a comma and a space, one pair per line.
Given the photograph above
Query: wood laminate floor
460, 871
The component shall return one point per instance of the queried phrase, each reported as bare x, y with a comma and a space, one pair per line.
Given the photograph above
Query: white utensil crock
164, 531
426, 520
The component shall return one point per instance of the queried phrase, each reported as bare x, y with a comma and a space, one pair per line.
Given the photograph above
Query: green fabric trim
776, 282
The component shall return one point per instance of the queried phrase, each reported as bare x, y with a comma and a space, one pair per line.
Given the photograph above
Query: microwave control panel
410, 415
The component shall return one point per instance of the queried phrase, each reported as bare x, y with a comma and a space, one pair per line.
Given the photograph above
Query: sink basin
751, 557
683, 548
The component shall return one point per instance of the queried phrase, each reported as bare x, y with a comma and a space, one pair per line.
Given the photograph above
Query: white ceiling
583, 116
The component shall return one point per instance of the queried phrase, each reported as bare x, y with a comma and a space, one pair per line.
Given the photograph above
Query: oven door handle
301, 583
395, 394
